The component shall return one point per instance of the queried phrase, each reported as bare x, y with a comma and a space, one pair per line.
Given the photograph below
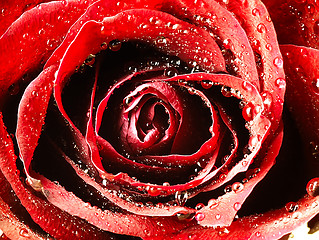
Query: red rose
158, 119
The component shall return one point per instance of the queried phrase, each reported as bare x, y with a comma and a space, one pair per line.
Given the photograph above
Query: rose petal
40, 210
255, 19
296, 22
301, 66
32, 36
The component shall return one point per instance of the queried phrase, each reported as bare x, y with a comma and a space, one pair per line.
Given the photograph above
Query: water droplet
268, 18
248, 112
41, 31
199, 216
191, 91
237, 187
50, 43
212, 203
278, 62
228, 189
181, 197
258, 234
206, 84
291, 207
171, 72
226, 44
250, 174
310, 9
24, 232
115, 45
154, 20
104, 46
313, 187
316, 28
261, 28
160, 205
90, 60
267, 99
226, 92
315, 85
127, 101
153, 191
199, 206
222, 176
269, 46
166, 184
147, 232
218, 216
162, 41
280, 82
244, 163
255, 12
222, 231
237, 206
34, 93
246, 86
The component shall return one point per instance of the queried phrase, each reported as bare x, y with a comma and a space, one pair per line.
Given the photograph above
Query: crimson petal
32, 36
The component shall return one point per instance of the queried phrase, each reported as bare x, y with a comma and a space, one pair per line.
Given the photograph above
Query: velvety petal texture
155, 119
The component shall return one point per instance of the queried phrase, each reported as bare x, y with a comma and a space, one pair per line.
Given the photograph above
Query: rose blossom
158, 119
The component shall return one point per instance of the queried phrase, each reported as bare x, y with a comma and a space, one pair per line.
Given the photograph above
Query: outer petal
302, 68
296, 22
260, 30
36, 33
40, 210
11, 10
271, 225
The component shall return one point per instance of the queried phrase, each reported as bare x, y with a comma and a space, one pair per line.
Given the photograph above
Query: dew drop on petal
237, 187
291, 207
153, 191
228, 189
280, 82
226, 44
199, 216
247, 113
315, 85
255, 12
316, 28
199, 206
24, 233
261, 28
267, 99
268, 46
246, 86
115, 45
181, 197
213, 203
237, 206
278, 62
313, 187
104, 46
222, 232
206, 84
172, 72
226, 92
